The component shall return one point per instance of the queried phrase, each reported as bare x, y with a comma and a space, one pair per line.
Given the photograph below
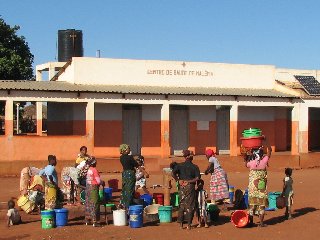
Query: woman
52, 194
219, 189
257, 162
25, 177
187, 174
70, 180
128, 175
92, 205
82, 156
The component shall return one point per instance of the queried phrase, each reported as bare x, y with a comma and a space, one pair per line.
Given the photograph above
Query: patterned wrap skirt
92, 204
50, 196
128, 186
258, 195
219, 189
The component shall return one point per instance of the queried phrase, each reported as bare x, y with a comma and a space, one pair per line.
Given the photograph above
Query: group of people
83, 176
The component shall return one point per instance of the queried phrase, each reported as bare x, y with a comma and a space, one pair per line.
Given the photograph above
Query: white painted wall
256, 114
151, 112
167, 73
202, 113
108, 112
287, 75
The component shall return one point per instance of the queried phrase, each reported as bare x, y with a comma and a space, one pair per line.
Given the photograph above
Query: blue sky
284, 33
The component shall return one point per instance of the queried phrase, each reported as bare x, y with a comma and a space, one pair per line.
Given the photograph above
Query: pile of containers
252, 138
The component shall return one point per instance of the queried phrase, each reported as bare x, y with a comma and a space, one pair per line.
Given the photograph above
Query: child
239, 203
172, 166
288, 192
141, 175
13, 214
201, 204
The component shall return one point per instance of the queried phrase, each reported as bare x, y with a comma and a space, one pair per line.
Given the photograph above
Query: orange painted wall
201, 139
107, 133
151, 134
37, 148
294, 138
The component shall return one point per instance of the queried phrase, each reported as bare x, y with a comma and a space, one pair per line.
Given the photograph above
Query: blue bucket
147, 198
272, 198
108, 193
61, 217
136, 216
246, 197
165, 214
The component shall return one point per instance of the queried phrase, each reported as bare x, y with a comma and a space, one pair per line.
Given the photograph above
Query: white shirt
215, 162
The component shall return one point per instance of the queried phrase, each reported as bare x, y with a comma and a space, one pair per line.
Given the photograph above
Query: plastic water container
272, 197
159, 197
25, 204
107, 193
61, 217
119, 217
174, 200
147, 198
101, 195
165, 214
231, 193
113, 183
47, 219
136, 216
213, 211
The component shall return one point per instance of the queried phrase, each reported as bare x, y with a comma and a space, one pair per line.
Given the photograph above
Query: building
160, 108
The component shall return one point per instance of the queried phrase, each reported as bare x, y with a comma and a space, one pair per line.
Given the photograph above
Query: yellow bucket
25, 204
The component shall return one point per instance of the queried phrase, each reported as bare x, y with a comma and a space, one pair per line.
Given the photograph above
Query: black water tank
69, 44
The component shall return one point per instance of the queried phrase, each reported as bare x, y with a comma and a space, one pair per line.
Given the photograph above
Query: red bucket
113, 183
240, 218
159, 198
252, 142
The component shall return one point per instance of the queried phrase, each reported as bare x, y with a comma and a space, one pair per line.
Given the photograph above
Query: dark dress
128, 179
187, 194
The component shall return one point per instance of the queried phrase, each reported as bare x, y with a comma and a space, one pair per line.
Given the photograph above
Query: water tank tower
69, 44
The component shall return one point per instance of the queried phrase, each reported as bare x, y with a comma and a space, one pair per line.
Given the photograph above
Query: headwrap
187, 154
123, 148
210, 152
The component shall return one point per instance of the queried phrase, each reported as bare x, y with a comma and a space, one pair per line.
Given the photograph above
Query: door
131, 120
179, 128
223, 130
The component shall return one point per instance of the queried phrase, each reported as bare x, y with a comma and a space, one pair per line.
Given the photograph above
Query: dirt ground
305, 224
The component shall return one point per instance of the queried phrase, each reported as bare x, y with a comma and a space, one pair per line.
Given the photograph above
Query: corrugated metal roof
69, 87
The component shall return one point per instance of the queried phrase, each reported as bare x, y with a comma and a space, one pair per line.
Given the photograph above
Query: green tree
15, 56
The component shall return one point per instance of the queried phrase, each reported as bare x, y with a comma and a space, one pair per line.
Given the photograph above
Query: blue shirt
50, 170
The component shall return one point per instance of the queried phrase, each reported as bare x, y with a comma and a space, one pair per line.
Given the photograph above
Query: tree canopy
15, 56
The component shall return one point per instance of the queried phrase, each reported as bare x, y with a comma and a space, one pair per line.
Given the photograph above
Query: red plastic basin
240, 218
252, 142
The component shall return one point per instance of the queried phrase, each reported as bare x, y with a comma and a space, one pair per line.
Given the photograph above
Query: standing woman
128, 175
219, 189
187, 174
92, 205
257, 162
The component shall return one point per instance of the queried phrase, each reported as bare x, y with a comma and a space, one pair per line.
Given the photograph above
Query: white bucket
120, 217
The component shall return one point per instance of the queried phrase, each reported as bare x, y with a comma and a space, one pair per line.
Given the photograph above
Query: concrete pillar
39, 118
90, 126
9, 118
295, 130
52, 72
234, 130
38, 75
165, 130
303, 128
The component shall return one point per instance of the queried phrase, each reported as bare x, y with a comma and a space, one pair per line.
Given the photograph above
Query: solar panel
310, 84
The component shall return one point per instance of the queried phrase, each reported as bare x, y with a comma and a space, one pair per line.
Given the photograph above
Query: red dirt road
305, 225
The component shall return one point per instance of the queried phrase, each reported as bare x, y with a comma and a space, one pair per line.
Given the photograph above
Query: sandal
188, 227
206, 225
262, 225
199, 226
